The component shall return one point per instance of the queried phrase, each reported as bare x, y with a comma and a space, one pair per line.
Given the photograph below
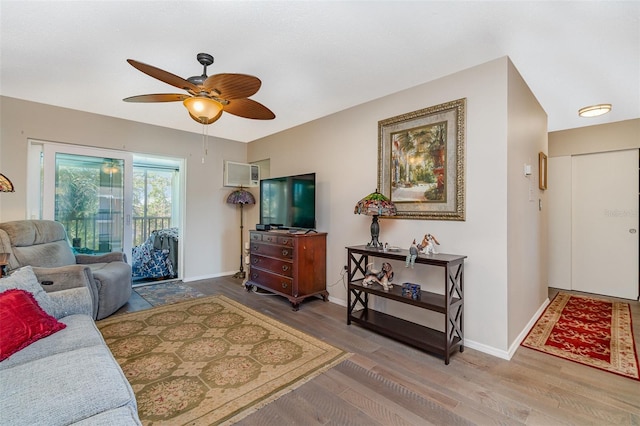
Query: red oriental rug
589, 331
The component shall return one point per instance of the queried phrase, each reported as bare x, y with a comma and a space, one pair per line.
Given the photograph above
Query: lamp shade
375, 204
241, 196
203, 109
5, 184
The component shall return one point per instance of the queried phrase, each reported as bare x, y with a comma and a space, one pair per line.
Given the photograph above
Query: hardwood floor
388, 383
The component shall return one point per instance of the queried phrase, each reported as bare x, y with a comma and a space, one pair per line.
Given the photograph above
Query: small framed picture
542, 168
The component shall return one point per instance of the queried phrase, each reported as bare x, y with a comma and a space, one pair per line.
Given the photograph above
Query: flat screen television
289, 202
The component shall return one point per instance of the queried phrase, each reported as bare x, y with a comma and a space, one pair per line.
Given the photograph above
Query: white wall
342, 150
210, 236
527, 211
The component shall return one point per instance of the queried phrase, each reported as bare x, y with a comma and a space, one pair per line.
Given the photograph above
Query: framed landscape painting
421, 162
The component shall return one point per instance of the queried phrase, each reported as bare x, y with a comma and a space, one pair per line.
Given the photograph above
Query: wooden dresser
292, 265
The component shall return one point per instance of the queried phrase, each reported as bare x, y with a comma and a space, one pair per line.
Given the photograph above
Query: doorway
156, 213
593, 235
110, 200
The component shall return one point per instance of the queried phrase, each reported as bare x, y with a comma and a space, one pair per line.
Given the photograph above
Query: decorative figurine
413, 254
382, 277
431, 243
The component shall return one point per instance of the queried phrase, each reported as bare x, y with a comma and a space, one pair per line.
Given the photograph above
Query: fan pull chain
205, 141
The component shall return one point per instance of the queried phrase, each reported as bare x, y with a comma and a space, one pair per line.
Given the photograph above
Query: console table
450, 304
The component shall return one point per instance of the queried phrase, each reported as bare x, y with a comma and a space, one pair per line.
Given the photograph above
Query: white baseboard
523, 334
338, 301
486, 349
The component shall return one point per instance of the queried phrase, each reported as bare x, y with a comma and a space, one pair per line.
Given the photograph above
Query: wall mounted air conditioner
241, 174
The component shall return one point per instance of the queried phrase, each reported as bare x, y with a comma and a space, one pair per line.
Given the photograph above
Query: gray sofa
43, 244
69, 377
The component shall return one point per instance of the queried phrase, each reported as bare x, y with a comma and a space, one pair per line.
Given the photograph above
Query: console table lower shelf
418, 336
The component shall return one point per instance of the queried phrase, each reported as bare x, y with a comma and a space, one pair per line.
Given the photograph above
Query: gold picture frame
542, 170
421, 162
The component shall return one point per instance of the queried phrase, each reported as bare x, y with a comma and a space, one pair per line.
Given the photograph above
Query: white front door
604, 230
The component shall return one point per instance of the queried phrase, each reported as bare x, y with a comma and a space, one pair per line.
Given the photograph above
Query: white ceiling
316, 57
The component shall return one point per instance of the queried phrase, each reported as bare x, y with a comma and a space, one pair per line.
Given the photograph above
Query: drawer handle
255, 247
255, 260
254, 275
285, 268
284, 285
285, 252
286, 242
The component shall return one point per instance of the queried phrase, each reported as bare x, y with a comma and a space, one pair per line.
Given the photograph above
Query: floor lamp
241, 197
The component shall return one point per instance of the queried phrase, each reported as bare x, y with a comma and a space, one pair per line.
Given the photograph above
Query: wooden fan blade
249, 108
233, 86
165, 76
158, 97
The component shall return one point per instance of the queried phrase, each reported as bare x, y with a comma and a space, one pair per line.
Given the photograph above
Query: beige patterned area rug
211, 360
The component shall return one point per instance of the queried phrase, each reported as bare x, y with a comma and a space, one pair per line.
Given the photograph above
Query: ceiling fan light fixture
206, 109
594, 110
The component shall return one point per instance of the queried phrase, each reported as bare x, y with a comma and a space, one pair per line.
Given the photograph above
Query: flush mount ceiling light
594, 110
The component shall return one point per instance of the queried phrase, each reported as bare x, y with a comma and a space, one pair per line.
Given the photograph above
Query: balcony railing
144, 226
95, 235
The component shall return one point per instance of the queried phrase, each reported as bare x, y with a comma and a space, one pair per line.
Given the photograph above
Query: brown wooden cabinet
292, 265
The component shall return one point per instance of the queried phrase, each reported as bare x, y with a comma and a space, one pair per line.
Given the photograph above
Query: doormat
594, 332
167, 293
211, 360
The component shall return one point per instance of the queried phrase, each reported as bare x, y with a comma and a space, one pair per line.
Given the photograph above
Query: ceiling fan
208, 97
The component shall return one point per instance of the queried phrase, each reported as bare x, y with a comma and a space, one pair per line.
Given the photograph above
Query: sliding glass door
89, 191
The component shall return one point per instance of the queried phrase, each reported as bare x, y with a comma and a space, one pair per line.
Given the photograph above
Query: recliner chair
43, 244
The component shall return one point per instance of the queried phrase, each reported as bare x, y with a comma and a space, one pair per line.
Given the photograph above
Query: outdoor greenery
78, 186
152, 192
76, 192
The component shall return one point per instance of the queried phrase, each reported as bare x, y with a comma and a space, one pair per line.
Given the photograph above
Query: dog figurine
382, 276
430, 243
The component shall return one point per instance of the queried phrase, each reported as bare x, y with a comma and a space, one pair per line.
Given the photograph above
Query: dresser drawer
273, 238
278, 266
286, 241
270, 238
272, 281
271, 250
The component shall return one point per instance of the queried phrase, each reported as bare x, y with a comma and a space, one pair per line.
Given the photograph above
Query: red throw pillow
22, 322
